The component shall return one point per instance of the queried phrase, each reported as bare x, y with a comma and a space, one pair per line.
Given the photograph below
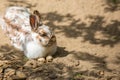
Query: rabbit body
26, 33
33, 49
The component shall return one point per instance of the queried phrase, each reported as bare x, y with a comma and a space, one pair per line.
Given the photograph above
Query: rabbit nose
47, 42
49, 36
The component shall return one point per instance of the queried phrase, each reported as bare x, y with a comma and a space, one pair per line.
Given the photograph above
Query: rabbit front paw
49, 58
41, 60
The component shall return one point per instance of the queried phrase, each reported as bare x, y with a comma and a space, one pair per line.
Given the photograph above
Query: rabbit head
45, 35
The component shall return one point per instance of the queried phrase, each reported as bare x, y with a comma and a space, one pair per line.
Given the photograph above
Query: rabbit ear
33, 22
38, 17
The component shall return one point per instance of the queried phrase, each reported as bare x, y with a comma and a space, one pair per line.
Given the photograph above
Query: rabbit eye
43, 35
40, 40
40, 24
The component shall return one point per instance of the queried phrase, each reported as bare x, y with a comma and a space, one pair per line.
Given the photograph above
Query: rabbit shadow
15, 58
99, 62
109, 34
61, 52
8, 52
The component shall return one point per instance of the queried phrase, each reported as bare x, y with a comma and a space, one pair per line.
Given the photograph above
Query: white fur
28, 42
33, 49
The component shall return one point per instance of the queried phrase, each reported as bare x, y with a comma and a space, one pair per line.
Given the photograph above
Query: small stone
101, 72
8, 78
52, 76
1, 55
9, 72
31, 63
77, 63
1, 70
41, 60
65, 69
95, 53
20, 75
1, 76
49, 58
36, 78
2, 63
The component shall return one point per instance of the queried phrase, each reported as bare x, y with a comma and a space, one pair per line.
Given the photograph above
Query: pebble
77, 63
1, 70
31, 63
20, 75
41, 60
49, 58
2, 63
9, 72
38, 78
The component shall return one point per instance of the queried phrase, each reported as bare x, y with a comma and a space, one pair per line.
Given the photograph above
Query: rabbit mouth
48, 44
51, 41
47, 41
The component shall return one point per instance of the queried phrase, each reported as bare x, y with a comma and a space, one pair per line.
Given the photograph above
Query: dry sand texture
88, 36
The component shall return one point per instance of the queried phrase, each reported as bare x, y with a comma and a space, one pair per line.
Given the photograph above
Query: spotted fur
27, 32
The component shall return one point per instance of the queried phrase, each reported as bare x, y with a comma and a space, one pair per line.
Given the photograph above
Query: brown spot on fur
42, 33
14, 27
38, 37
33, 22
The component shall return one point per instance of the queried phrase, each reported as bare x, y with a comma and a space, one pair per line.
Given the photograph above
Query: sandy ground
88, 41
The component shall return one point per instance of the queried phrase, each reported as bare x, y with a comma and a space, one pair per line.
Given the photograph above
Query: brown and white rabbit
27, 32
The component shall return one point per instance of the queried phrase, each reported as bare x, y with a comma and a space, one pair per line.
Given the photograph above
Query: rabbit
27, 32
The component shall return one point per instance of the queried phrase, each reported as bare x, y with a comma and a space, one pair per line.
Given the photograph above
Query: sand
87, 36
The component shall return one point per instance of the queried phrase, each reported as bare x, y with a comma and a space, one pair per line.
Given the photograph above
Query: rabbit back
27, 33
18, 16
16, 25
